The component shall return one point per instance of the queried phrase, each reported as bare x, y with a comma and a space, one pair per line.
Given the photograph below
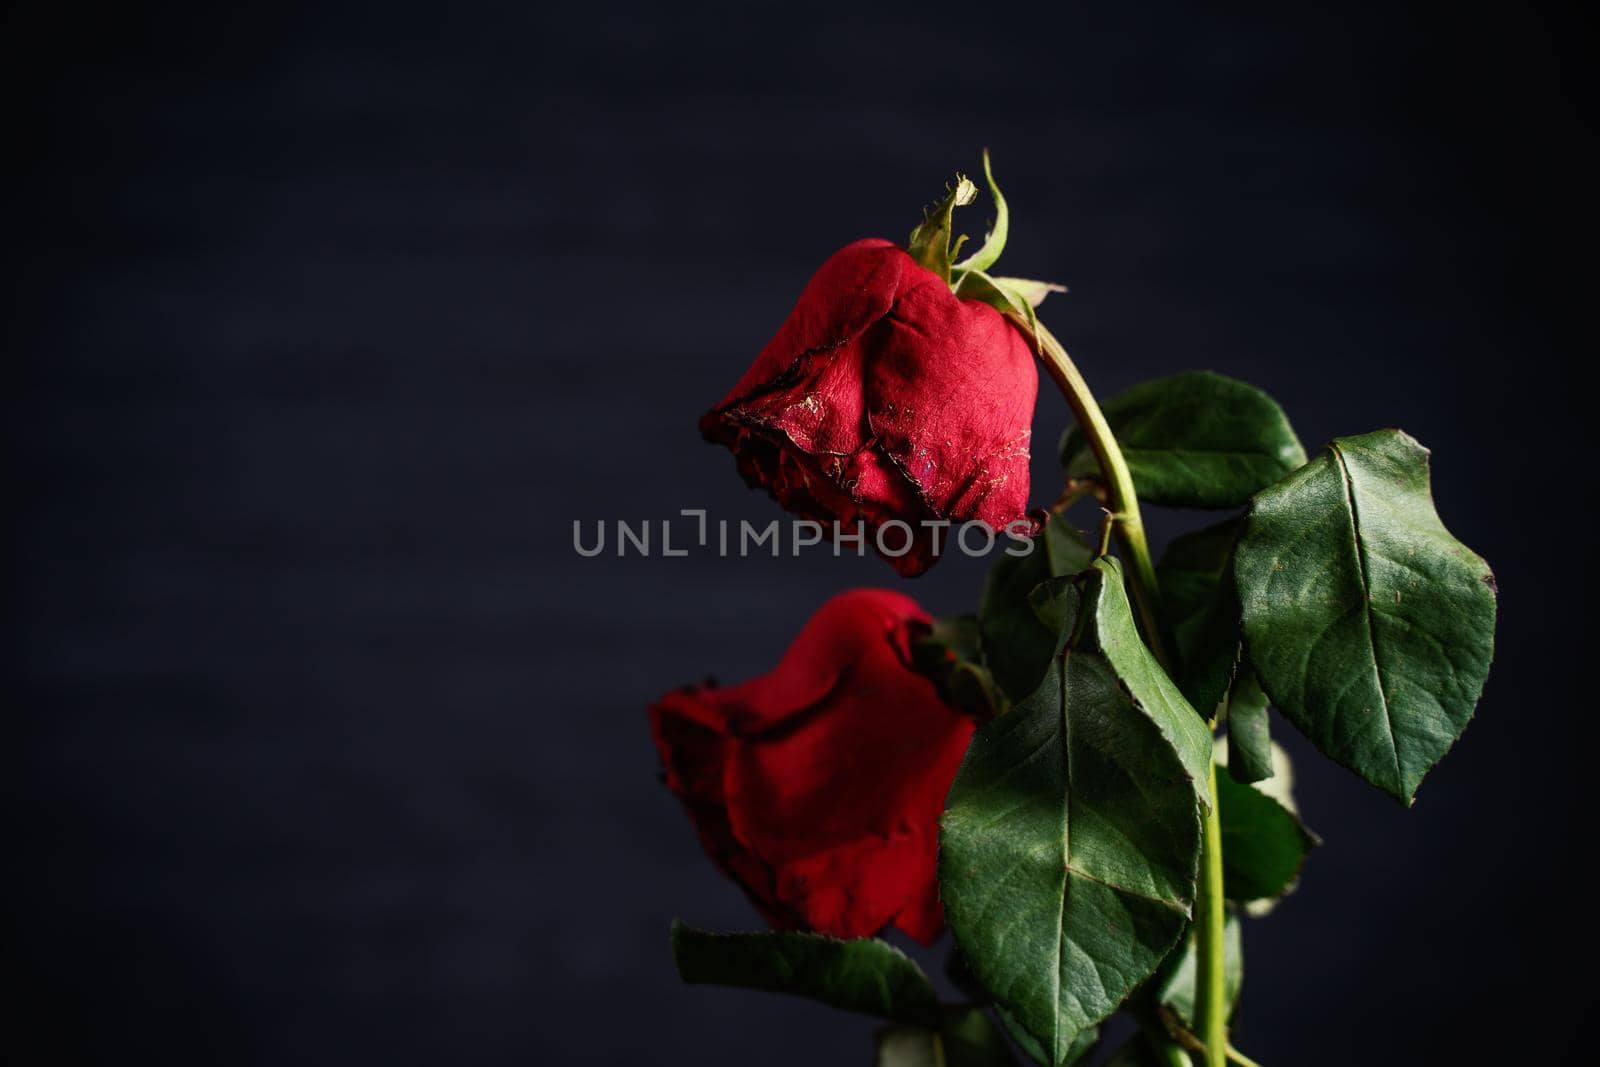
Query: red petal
819, 786
884, 397
950, 398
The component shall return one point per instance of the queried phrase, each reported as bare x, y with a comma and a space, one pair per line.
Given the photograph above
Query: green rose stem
1211, 918
1235, 1056
1211, 1007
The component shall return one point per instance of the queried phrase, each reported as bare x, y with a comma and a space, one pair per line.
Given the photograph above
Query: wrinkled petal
950, 398
819, 786
884, 397
853, 289
863, 488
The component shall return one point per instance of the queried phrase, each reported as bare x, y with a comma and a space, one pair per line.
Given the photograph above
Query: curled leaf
862, 975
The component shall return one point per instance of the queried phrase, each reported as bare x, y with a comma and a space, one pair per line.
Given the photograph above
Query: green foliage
1190, 571
1196, 440
1072, 831
1139, 672
863, 975
1202, 610
1080, 1050
1264, 844
1017, 645
1367, 623
950, 654
1174, 986
1249, 731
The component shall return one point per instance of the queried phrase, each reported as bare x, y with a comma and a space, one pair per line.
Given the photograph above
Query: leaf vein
1366, 605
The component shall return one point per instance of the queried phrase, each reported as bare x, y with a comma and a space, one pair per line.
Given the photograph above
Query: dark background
325, 325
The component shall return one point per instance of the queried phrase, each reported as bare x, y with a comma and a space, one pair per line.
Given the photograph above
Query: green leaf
1175, 986
1203, 610
1280, 787
1137, 669
930, 243
1017, 647
862, 975
951, 655
1191, 569
965, 1037
1264, 844
1080, 1050
1196, 440
1249, 731
1203, 613
995, 243
1072, 834
1035, 1051
1028, 1043
1369, 626
973, 689
1082, 1047
960, 973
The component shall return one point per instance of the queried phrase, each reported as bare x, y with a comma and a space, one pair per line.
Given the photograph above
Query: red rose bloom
818, 787
886, 397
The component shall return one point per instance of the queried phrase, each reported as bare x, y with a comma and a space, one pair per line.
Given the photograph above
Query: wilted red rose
885, 397
818, 787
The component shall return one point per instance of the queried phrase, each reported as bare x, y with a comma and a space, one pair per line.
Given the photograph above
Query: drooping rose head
818, 787
887, 397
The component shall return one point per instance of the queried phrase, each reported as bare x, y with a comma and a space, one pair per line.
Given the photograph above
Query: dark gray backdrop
326, 324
